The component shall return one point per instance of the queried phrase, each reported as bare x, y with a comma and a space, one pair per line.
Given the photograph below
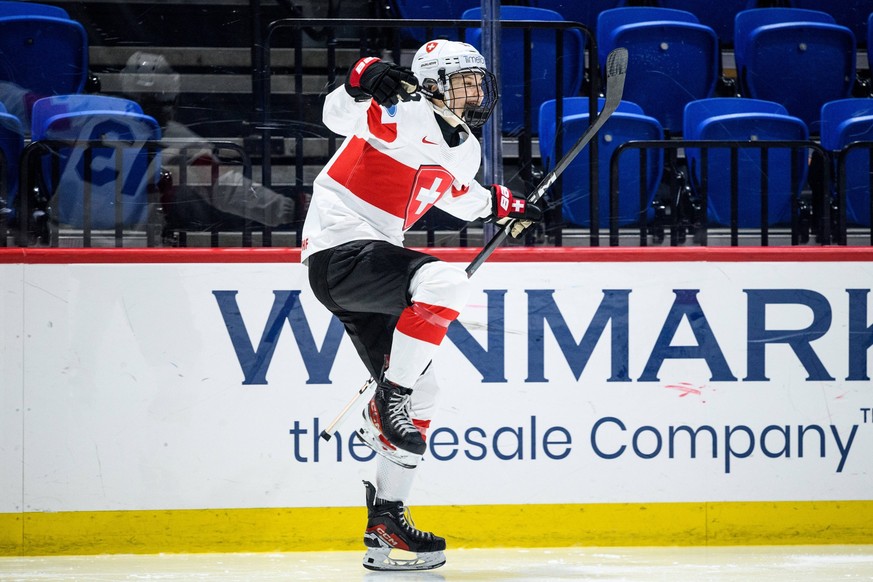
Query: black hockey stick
616, 67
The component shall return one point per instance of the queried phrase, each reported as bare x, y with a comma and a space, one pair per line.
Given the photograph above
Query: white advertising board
11, 386
185, 386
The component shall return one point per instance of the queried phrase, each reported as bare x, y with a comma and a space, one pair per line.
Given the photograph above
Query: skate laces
405, 519
399, 409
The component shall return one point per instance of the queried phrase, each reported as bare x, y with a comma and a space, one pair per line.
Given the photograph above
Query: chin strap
450, 116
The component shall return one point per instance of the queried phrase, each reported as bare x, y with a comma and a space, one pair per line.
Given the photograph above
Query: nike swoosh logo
427, 141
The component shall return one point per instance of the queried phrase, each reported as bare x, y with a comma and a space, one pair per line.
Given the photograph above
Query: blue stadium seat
672, 58
717, 15
138, 176
621, 127
11, 8
836, 113
543, 64
849, 13
11, 144
575, 11
43, 54
800, 63
571, 106
733, 119
843, 122
609, 20
748, 20
432, 10
869, 36
697, 111
48, 107
548, 123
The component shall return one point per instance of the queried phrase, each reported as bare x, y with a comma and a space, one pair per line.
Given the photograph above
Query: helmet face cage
473, 91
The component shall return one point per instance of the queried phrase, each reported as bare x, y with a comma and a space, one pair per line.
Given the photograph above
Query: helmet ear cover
432, 88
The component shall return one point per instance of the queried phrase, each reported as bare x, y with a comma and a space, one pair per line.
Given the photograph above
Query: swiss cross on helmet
455, 73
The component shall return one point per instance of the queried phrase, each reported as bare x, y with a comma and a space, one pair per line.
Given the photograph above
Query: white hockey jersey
393, 166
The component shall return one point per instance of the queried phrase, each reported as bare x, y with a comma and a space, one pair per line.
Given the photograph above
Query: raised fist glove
384, 82
505, 207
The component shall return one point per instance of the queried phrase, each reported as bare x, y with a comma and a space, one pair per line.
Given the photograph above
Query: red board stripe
36, 256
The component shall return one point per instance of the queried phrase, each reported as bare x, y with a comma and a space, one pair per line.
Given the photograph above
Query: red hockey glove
505, 206
384, 82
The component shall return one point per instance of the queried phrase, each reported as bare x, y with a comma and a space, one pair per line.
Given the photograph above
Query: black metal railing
865, 215
805, 216
40, 190
37, 222
216, 157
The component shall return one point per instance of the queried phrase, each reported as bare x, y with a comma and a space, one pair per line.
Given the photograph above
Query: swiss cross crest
430, 183
430, 46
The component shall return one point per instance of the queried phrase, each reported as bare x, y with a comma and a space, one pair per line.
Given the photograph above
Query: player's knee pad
440, 283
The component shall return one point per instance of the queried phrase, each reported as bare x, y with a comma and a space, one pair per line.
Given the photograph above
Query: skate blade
379, 559
396, 456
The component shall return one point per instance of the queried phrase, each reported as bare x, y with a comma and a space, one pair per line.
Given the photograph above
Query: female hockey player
408, 147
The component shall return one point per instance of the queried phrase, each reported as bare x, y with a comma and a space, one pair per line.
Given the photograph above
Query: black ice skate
390, 528
387, 427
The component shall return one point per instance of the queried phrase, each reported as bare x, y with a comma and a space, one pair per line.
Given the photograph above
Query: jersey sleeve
341, 113
467, 203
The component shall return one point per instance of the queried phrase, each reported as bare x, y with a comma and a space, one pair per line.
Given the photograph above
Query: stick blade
616, 69
616, 62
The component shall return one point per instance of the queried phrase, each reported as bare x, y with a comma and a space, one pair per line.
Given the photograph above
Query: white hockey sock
409, 357
393, 482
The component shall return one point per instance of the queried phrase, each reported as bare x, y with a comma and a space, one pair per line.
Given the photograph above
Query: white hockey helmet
150, 74
437, 61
